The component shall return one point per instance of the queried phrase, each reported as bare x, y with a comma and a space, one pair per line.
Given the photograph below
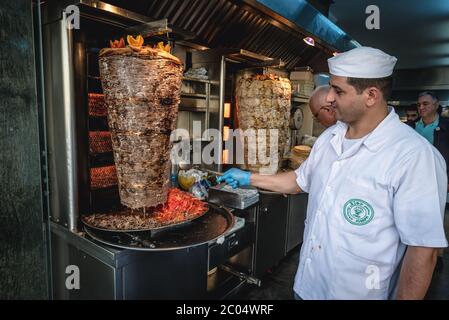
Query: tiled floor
278, 285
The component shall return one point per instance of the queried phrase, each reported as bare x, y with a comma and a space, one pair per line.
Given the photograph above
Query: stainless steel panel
60, 120
183, 120
271, 221
96, 278
180, 274
198, 118
297, 210
108, 273
221, 109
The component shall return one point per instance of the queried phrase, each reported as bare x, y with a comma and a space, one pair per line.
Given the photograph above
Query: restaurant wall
23, 262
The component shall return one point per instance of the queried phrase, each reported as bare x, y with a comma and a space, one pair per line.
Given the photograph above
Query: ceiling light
309, 41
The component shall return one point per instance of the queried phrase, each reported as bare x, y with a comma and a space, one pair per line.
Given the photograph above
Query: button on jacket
365, 206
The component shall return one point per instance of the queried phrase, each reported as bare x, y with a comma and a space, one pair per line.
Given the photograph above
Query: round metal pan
152, 229
217, 222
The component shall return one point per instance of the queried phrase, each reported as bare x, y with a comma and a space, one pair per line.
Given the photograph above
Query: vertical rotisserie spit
264, 102
142, 92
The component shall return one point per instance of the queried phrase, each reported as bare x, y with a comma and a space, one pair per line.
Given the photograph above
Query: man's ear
372, 96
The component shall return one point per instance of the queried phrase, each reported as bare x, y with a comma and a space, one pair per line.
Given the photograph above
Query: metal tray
208, 228
231, 199
152, 229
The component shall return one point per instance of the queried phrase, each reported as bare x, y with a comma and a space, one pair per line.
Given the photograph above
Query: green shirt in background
427, 130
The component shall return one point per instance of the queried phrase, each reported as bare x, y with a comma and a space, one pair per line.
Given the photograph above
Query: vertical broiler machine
109, 115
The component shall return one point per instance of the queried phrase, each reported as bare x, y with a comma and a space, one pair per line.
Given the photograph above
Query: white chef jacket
365, 206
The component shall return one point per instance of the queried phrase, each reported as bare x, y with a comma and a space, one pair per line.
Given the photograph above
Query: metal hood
269, 28
306, 17
275, 29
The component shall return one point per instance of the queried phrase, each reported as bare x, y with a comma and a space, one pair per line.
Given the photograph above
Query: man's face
348, 105
322, 110
427, 107
412, 115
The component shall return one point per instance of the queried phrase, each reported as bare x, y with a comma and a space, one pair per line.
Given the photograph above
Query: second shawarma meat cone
142, 92
264, 102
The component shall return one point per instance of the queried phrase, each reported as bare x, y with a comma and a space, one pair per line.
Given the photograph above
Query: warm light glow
227, 110
225, 156
110, 8
225, 133
309, 41
335, 54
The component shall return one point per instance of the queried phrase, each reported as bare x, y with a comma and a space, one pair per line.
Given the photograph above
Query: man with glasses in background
322, 111
432, 126
428, 108
435, 129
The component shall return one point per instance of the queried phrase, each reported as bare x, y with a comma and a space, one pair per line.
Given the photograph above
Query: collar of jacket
443, 124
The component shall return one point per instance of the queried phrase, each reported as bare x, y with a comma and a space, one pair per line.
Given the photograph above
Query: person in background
432, 126
435, 129
321, 109
411, 112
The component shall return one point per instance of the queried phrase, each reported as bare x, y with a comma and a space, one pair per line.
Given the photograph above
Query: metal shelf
300, 99
191, 109
193, 140
200, 80
251, 58
206, 97
197, 96
194, 95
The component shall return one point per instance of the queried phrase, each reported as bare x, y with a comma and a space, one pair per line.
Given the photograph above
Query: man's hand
416, 272
236, 178
282, 182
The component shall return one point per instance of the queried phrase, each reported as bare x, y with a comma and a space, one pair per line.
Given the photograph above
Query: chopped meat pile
180, 207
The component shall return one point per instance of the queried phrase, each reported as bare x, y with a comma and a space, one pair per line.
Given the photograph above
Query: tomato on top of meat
180, 206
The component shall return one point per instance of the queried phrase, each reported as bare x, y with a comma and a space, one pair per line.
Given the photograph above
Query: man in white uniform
376, 188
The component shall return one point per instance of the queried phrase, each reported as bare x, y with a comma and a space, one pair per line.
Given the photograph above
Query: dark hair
411, 107
385, 85
429, 93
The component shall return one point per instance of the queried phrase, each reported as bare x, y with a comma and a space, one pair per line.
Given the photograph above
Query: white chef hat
362, 62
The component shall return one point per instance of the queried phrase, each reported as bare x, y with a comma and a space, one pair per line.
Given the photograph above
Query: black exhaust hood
267, 27
305, 17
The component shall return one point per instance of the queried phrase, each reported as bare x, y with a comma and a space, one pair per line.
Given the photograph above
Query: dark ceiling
415, 31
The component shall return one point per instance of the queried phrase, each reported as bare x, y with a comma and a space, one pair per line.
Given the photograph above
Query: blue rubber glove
235, 178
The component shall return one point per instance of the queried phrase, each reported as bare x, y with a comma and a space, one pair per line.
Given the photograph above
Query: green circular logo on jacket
358, 212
